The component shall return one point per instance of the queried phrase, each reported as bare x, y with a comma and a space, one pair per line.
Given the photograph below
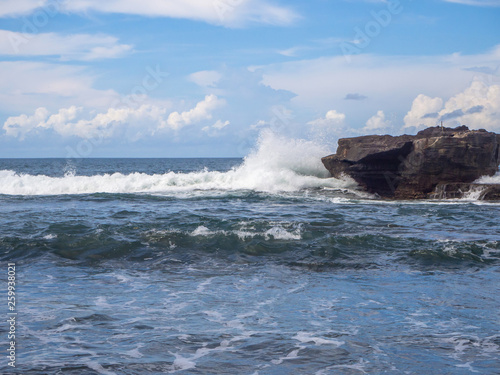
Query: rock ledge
411, 167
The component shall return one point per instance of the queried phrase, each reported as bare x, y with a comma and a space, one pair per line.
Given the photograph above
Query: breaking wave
277, 165
489, 179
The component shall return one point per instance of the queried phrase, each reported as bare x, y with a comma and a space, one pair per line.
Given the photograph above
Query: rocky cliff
410, 167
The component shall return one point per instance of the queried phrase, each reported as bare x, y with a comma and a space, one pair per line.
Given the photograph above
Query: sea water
261, 265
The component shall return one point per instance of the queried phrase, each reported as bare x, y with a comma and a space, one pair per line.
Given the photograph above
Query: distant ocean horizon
255, 265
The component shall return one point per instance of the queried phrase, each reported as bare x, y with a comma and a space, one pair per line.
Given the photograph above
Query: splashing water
278, 164
489, 179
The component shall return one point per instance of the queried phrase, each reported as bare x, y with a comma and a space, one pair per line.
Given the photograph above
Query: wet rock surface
411, 167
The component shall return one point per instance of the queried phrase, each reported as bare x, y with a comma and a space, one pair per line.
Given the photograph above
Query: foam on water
98, 368
307, 337
277, 164
359, 367
294, 354
276, 232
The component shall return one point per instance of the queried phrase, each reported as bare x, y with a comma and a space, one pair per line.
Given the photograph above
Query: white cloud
60, 119
330, 128
213, 130
205, 78
68, 47
332, 125
332, 118
28, 84
482, 3
105, 125
220, 125
101, 125
202, 111
130, 123
478, 106
423, 112
390, 82
10, 8
259, 125
231, 13
19, 126
377, 123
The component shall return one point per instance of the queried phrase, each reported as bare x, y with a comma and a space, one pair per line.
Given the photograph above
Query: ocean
261, 265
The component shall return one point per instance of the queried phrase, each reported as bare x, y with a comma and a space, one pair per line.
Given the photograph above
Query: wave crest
277, 165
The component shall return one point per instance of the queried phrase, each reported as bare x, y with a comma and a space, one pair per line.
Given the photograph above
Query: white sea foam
98, 368
489, 179
467, 366
202, 231
102, 303
277, 232
181, 363
359, 366
277, 165
203, 284
64, 327
294, 354
280, 233
135, 353
307, 337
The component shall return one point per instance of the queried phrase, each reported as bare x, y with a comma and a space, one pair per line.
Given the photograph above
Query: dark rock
410, 167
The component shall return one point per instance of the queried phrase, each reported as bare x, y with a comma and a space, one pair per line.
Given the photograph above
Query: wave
277, 232
277, 165
296, 245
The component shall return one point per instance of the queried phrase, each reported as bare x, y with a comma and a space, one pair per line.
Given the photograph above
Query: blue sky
187, 78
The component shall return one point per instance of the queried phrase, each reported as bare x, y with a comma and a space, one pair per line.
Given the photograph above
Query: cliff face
409, 167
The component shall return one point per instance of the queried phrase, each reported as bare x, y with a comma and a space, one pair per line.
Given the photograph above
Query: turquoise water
231, 266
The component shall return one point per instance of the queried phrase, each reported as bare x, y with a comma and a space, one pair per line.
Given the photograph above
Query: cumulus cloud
377, 123
65, 122
478, 106
332, 118
133, 123
230, 13
68, 47
202, 111
391, 82
452, 115
423, 112
19, 126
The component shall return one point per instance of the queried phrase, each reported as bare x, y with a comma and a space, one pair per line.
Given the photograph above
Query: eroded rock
410, 167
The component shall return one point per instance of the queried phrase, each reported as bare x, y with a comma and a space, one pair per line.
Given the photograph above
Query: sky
203, 78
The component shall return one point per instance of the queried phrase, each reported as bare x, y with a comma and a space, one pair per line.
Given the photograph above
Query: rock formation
411, 167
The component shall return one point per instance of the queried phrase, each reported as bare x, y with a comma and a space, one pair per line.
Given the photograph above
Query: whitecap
278, 164
307, 337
